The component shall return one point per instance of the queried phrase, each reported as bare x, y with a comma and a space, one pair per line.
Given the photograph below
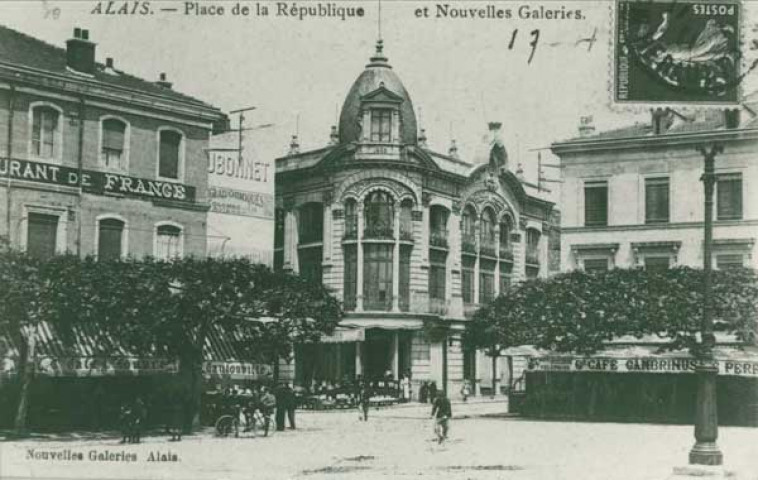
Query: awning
731, 361
384, 323
345, 335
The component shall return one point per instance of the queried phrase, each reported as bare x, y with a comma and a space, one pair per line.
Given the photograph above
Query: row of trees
160, 309
580, 312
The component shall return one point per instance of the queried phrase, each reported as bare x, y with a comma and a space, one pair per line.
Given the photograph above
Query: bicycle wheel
224, 425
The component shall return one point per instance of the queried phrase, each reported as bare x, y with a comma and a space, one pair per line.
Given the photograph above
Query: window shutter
42, 232
109, 239
656, 200
596, 204
169, 154
114, 134
729, 197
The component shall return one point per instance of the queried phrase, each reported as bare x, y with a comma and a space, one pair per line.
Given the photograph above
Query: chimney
586, 126
732, 118
663, 118
294, 146
422, 138
334, 137
109, 63
80, 52
453, 151
163, 82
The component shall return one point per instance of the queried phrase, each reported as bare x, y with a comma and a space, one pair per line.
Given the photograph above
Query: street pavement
396, 442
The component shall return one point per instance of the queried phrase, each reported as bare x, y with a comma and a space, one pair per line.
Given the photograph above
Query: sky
460, 73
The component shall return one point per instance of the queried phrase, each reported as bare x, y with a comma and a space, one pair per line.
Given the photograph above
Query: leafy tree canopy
580, 312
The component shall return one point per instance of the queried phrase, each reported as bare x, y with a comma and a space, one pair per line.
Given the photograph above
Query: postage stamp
677, 52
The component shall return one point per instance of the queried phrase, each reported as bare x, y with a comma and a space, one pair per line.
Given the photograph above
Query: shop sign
99, 183
241, 203
345, 335
94, 366
237, 370
742, 368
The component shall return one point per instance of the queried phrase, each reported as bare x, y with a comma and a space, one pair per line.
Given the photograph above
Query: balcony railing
468, 243
406, 233
378, 231
506, 253
437, 306
532, 258
469, 309
488, 249
438, 238
377, 304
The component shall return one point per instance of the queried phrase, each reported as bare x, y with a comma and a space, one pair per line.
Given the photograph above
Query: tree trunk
276, 368
26, 374
191, 377
494, 374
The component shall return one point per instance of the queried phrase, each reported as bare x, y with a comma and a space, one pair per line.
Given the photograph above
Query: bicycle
227, 423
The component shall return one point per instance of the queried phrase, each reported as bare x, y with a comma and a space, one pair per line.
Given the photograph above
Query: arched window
506, 249
532, 246
310, 223
406, 220
110, 239
113, 148
487, 233
379, 213
169, 154
351, 219
438, 216
45, 135
468, 229
169, 242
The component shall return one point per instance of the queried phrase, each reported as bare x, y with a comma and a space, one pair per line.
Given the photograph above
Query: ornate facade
412, 241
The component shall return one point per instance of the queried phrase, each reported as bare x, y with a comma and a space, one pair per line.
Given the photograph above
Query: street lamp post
706, 451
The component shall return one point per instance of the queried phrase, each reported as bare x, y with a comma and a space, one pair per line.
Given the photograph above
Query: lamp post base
706, 453
702, 472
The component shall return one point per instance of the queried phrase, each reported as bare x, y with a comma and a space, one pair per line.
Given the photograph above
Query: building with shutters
632, 197
411, 240
95, 161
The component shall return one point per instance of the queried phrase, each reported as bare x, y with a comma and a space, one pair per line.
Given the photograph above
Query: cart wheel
224, 425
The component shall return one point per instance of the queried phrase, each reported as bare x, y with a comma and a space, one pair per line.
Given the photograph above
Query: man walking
442, 411
268, 403
364, 397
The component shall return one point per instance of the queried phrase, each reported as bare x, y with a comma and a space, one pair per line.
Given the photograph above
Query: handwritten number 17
535, 40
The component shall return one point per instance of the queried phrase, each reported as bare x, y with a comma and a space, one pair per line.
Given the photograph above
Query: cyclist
441, 411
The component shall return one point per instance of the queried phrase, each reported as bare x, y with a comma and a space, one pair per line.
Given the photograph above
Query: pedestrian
177, 416
268, 404
140, 418
364, 398
291, 404
465, 390
441, 412
281, 406
432, 392
405, 388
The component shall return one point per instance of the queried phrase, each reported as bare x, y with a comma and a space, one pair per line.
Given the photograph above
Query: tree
580, 312
21, 297
297, 310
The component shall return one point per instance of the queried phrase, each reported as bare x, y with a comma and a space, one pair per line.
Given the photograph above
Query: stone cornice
658, 226
664, 140
78, 86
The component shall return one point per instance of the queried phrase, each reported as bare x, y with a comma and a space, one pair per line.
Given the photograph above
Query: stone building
411, 240
632, 197
94, 160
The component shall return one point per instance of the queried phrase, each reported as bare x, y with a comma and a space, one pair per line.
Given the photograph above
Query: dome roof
378, 73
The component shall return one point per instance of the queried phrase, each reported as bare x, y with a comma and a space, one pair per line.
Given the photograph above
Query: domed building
411, 240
